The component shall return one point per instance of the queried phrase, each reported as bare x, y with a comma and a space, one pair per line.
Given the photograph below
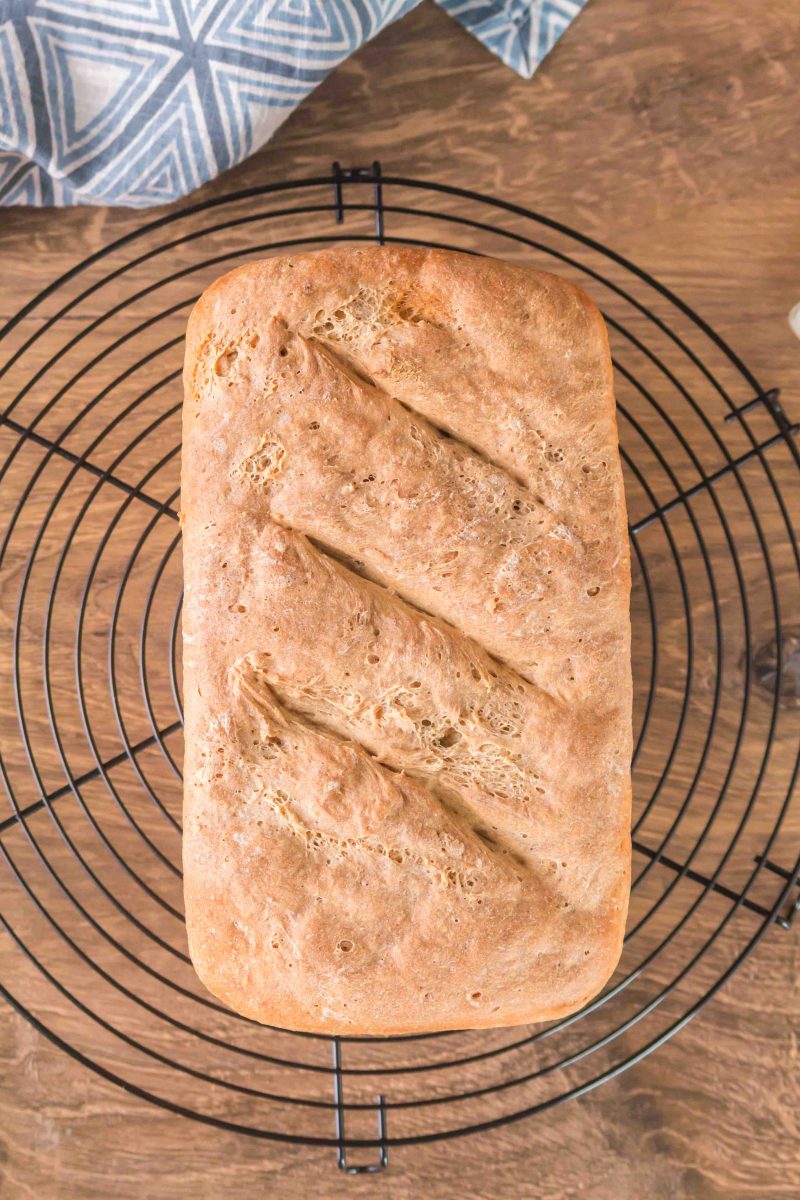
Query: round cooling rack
94, 954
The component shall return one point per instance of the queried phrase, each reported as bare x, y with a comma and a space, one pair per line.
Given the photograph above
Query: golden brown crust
406, 655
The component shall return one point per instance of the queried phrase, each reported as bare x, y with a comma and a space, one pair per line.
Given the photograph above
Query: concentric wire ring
91, 766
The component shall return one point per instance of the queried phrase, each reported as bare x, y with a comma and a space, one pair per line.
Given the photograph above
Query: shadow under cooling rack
91, 747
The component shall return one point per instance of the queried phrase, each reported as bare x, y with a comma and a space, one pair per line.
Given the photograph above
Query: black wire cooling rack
95, 953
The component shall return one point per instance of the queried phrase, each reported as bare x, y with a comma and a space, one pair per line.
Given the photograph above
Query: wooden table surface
669, 131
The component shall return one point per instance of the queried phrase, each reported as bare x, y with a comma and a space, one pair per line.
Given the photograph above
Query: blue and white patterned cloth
138, 102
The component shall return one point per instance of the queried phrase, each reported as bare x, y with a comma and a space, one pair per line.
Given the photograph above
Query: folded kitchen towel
138, 102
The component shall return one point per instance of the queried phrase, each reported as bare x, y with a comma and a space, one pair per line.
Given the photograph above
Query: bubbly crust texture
406, 644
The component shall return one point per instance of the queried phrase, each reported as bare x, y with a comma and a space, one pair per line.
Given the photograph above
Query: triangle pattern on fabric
90, 104
283, 34
162, 179
134, 16
85, 116
252, 105
520, 32
171, 155
307, 17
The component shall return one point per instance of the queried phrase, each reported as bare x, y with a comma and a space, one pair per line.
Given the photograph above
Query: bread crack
355, 370
279, 743
444, 874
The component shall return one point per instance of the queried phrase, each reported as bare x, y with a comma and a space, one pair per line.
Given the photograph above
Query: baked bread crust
406, 644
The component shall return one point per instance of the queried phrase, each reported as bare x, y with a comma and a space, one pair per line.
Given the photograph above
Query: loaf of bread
406, 644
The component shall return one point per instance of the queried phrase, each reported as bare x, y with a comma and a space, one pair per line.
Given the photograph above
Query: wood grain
669, 132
